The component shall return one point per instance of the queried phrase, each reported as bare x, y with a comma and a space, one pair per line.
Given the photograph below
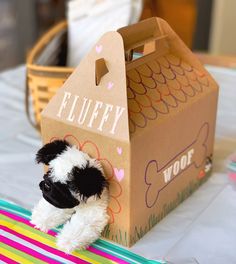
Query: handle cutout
143, 49
100, 70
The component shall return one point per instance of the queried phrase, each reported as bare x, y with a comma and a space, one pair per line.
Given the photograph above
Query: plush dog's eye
87, 182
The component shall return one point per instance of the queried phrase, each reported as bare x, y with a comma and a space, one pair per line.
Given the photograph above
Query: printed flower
115, 189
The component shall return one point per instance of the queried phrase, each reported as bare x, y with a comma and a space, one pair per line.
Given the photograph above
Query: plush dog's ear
51, 150
87, 182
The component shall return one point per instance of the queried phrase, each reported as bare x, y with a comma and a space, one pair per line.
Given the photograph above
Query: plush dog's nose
45, 186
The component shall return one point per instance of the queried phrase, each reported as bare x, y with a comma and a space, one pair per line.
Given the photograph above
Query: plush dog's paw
40, 216
67, 244
39, 222
45, 216
69, 241
41, 226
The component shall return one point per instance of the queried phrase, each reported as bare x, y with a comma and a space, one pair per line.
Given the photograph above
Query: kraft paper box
149, 120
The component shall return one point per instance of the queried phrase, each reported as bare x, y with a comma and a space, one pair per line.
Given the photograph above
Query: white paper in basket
89, 20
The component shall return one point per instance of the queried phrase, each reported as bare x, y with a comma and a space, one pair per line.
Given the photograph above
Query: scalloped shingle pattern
157, 86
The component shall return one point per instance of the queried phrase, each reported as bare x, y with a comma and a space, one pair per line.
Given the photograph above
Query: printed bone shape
192, 155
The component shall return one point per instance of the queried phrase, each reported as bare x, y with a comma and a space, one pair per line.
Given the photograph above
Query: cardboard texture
150, 121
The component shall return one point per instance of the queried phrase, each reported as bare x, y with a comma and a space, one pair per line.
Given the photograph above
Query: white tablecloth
201, 230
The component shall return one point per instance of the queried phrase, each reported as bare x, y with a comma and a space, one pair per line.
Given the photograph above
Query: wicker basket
46, 70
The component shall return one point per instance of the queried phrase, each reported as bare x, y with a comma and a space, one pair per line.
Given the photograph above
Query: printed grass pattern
121, 236
167, 208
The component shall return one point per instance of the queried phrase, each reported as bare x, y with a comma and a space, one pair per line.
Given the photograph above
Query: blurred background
204, 25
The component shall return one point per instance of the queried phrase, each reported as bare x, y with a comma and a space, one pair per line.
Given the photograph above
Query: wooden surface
217, 60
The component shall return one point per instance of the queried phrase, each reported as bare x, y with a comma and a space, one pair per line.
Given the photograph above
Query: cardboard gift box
150, 120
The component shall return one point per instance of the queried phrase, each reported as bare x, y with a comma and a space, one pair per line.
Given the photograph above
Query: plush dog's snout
57, 194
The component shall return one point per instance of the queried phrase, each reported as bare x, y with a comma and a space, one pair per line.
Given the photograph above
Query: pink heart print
110, 85
119, 150
119, 173
98, 48
232, 176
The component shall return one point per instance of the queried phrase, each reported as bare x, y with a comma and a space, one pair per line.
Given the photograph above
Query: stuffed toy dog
75, 193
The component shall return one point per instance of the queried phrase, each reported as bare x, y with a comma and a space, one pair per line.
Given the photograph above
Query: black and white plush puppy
75, 193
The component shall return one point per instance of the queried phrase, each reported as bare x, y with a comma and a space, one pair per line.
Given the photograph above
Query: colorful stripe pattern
20, 242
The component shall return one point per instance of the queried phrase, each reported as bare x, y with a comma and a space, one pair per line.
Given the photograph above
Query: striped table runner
20, 242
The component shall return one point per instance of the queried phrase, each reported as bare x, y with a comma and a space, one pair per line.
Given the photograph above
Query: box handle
100, 70
140, 34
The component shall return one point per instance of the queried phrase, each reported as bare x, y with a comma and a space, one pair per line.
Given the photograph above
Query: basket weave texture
44, 76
